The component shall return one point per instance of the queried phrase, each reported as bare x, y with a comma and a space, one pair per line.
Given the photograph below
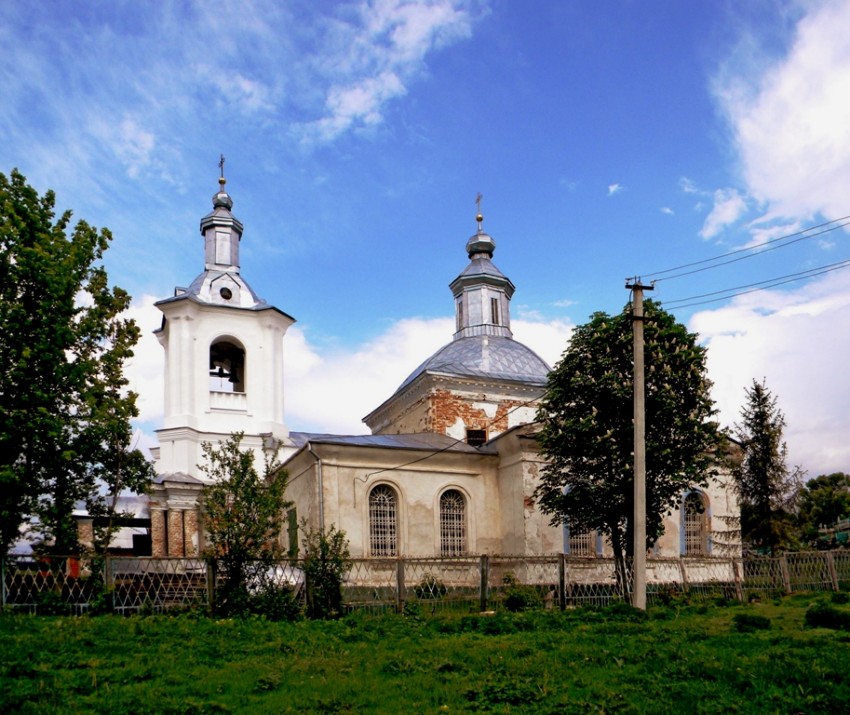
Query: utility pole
639, 518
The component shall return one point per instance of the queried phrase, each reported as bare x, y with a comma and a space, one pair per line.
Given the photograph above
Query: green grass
678, 659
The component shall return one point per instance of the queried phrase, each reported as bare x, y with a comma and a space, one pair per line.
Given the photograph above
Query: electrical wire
750, 251
448, 446
727, 293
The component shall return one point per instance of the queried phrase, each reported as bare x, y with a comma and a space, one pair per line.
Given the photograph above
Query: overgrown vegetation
679, 658
241, 512
325, 564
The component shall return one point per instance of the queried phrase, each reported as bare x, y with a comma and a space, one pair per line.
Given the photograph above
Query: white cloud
728, 207
790, 119
373, 60
331, 391
764, 234
688, 186
565, 303
614, 189
145, 369
798, 342
667, 210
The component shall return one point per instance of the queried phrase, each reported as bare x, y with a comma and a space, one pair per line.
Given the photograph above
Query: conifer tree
766, 487
65, 432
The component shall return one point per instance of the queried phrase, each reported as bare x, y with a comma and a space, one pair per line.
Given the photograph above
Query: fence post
833, 574
109, 581
211, 574
399, 585
562, 581
2, 581
686, 586
739, 579
485, 581
786, 574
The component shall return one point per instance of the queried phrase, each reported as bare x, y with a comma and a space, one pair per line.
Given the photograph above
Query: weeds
612, 659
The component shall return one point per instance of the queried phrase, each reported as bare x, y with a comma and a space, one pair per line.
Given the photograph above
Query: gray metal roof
487, 356
427, 441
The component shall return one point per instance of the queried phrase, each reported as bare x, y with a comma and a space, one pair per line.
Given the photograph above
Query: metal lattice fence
75, 585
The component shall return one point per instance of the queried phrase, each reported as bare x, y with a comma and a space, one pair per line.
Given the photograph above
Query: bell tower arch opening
227, 365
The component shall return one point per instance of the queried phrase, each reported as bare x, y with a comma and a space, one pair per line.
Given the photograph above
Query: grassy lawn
680, 659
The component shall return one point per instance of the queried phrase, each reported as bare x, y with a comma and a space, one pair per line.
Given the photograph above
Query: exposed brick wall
446, 407
158, 535
176, 535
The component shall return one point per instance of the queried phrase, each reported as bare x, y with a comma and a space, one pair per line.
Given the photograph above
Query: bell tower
223, 354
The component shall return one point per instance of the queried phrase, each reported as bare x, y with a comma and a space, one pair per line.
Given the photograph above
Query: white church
452, 462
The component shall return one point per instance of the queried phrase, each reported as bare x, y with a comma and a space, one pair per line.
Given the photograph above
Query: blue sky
609, 139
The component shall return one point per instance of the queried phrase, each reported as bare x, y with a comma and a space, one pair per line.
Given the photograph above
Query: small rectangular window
476, 437
494, 311
460, 314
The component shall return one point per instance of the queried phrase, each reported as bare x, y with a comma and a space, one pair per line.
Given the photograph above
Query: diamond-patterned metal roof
488, 356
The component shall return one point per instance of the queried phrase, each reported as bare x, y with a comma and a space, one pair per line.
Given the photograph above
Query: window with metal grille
383, 521
695, 525
583, 543
452, 523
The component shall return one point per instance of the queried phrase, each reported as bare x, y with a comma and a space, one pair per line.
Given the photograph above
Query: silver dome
487, 356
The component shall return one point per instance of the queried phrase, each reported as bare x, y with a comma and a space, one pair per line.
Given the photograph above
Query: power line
448, 446
727, 293
751, 251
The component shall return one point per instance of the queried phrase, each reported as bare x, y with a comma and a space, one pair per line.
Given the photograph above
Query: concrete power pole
639, 527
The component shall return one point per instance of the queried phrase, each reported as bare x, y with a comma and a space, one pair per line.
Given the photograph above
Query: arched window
452, 523
383, 521
695, 524
227, 367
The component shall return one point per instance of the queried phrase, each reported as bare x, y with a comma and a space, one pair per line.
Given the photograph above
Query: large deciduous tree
65, 432
824, 501
767, 488
586, 427
243, 513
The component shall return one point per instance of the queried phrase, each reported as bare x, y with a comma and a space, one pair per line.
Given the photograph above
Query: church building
451, 464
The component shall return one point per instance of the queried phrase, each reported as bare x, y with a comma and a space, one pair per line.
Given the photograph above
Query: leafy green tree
586, 427
65, 432
326, 561
767, 489
824, 501
242, 517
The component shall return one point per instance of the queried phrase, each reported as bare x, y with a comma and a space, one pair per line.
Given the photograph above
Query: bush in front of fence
518, 597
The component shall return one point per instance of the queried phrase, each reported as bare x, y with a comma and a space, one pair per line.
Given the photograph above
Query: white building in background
452, 462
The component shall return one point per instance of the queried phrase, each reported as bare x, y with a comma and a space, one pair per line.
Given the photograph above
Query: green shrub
840, 597
326, 560
430, 587
51, 603
750, 622
518, 597
822, 615
276, 603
